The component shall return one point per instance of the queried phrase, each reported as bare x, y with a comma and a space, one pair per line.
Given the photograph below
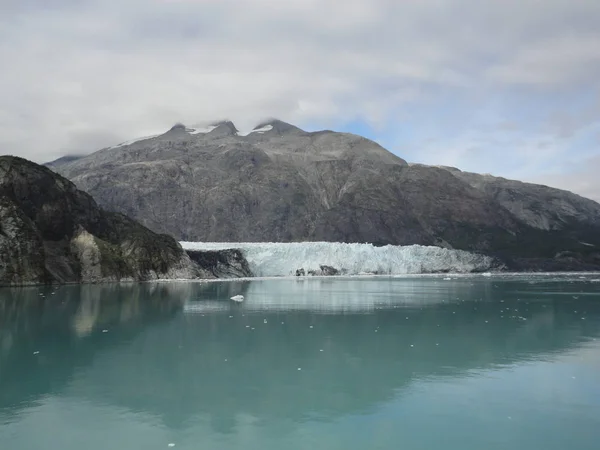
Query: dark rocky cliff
51, 232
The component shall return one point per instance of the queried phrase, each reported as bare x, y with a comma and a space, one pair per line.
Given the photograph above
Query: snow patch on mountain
260, 130
133, 141
201, 130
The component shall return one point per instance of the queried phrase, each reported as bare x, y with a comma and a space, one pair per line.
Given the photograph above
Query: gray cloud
79, 75
580, 177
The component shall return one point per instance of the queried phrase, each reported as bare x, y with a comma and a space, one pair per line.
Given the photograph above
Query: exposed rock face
52, 232
540, 207
222, 263
282, 184
323, 271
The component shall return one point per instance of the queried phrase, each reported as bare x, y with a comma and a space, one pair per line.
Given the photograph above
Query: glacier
285, 259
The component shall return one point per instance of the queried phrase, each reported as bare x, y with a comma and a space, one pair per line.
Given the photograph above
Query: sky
507, 87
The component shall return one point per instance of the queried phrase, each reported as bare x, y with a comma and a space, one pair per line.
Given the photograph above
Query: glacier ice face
284, 259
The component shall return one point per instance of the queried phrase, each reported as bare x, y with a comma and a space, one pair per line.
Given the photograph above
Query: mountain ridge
282, 184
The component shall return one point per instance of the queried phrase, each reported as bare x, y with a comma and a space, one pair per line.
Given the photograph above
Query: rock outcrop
282, 184
229, 263
50, 232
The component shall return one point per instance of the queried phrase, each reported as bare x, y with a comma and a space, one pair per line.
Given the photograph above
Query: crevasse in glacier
285, 259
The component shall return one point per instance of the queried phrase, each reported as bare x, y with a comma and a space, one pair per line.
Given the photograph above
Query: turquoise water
379, 363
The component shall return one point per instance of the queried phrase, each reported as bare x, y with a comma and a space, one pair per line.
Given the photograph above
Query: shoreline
441, 276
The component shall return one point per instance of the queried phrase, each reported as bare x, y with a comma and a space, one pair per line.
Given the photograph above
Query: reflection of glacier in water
283, 259
328, 295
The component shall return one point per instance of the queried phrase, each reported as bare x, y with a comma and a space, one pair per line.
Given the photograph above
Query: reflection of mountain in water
180, 366
54, 321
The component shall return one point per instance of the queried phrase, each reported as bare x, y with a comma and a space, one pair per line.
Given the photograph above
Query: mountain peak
223, 128
178, 127
278, 126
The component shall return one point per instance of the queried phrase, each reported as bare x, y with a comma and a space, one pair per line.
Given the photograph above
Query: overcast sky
508, 87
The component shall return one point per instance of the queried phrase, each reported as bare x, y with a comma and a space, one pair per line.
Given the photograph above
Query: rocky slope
282, 184
52, 232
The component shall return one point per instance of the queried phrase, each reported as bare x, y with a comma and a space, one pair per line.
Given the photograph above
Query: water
378, 363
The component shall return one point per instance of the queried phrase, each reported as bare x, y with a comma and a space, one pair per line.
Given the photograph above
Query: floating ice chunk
237, 298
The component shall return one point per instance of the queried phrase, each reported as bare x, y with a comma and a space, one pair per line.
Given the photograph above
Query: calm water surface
379, 363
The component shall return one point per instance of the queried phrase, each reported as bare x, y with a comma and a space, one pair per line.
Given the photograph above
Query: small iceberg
237, 298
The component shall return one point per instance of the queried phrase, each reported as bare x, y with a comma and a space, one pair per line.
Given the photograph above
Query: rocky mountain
52, 232
279, 183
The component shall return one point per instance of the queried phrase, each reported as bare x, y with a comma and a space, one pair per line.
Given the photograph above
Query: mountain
51, 232
282, 184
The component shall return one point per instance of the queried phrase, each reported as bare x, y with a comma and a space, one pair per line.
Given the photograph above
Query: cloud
580, 177
487, 85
